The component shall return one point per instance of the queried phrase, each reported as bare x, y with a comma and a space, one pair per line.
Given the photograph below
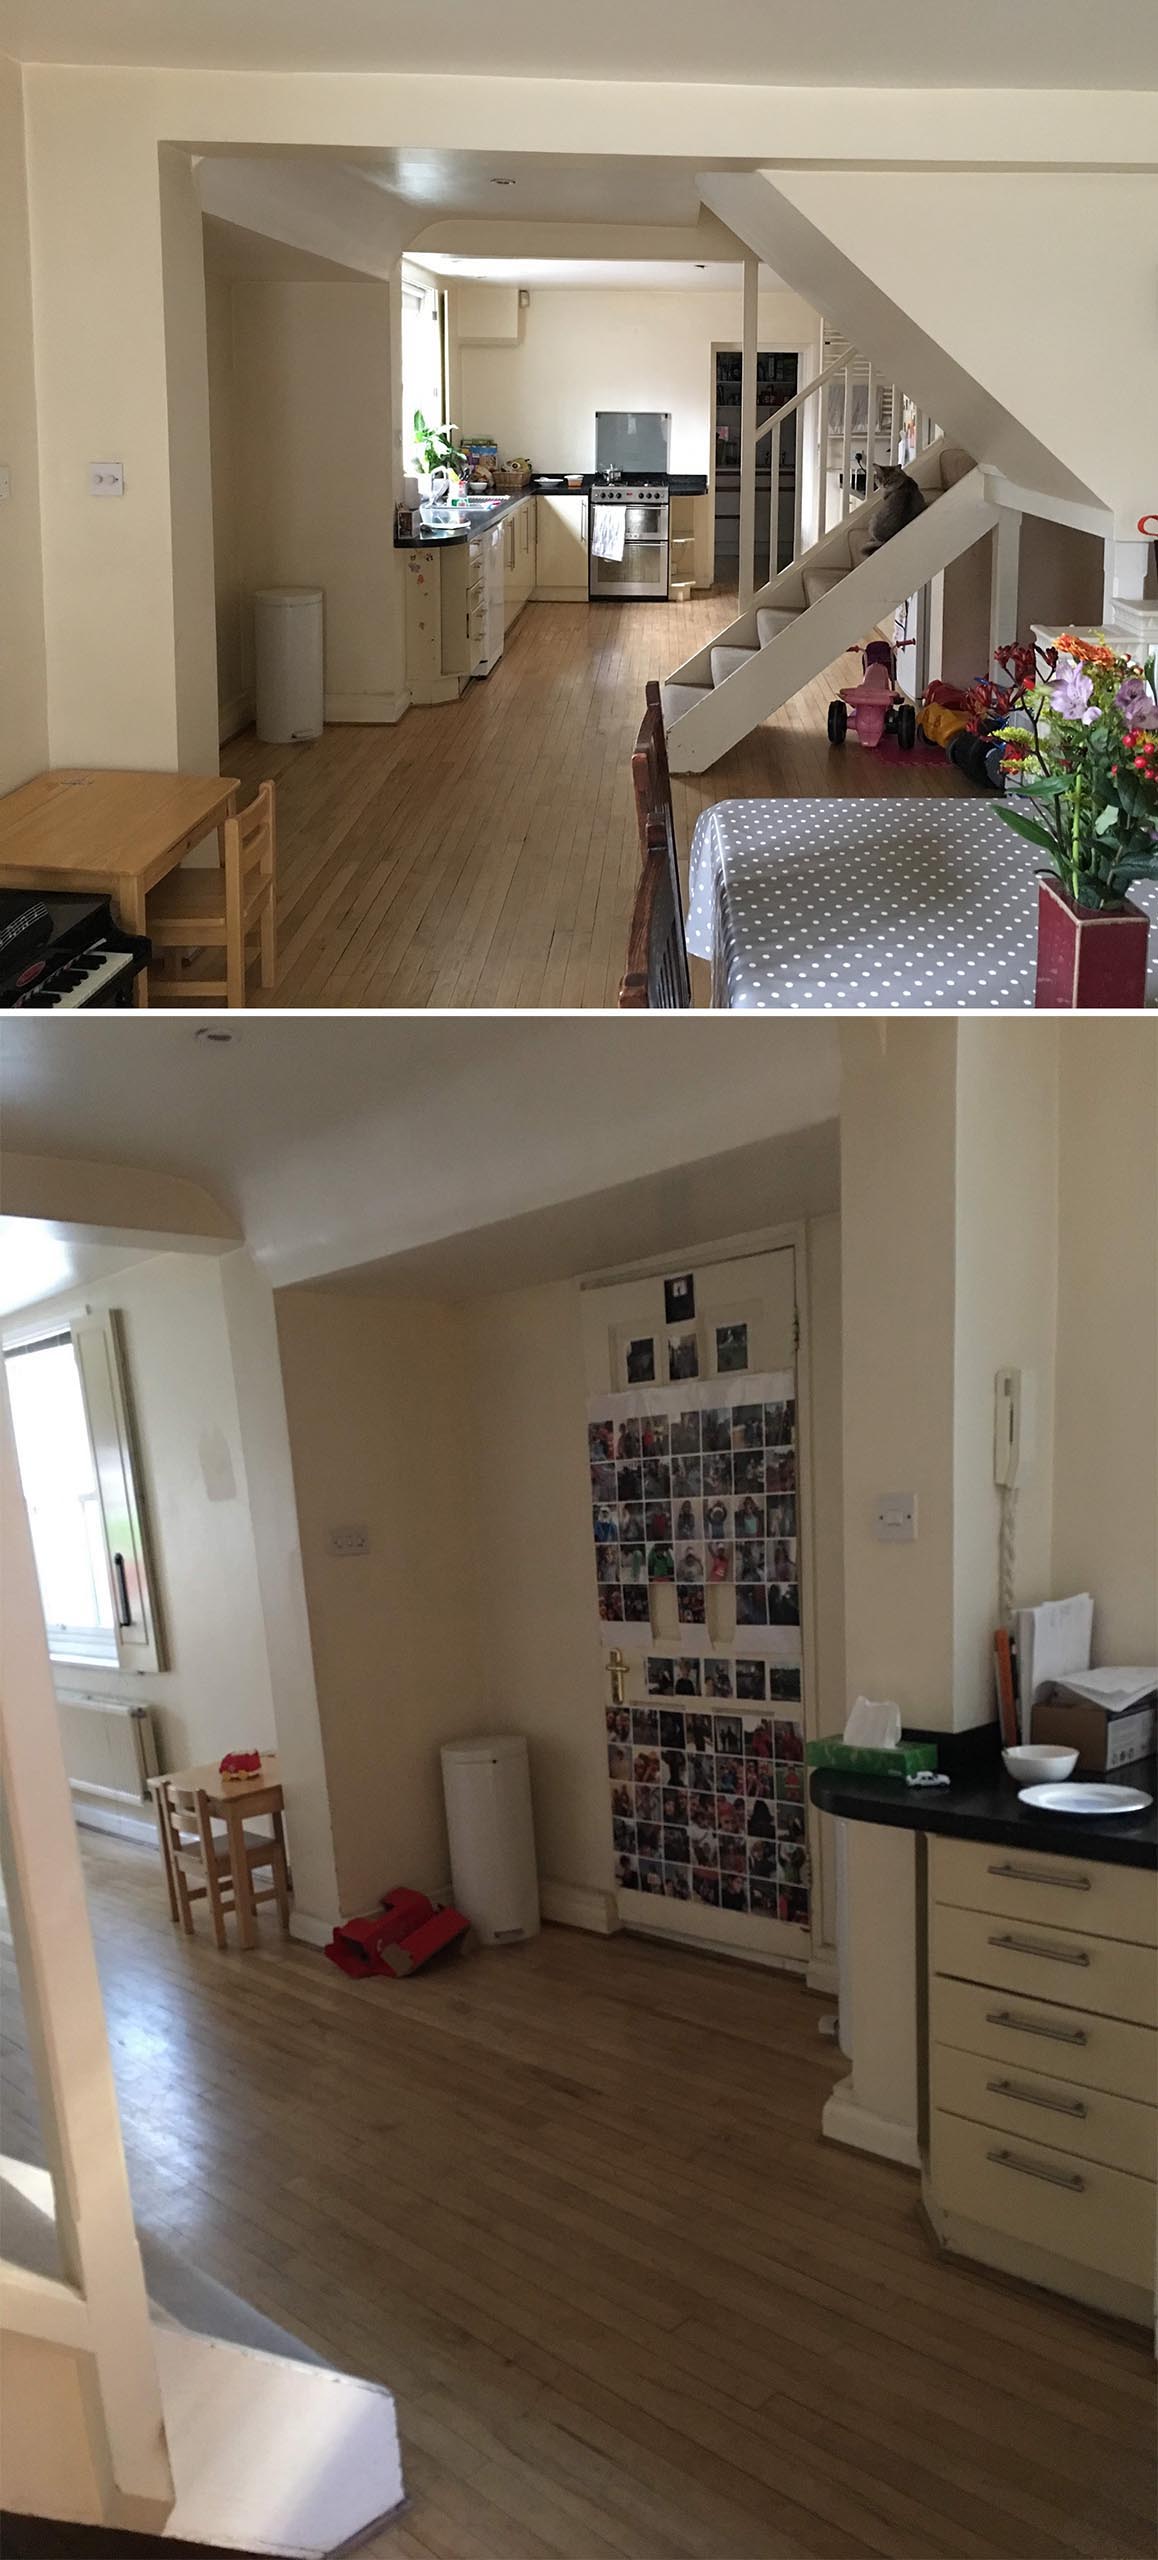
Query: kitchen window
424, 383
70, 1419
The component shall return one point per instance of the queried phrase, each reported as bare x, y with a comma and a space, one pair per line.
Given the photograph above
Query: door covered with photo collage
695, 1452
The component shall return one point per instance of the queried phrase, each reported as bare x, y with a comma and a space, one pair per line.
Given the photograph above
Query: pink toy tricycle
876, 703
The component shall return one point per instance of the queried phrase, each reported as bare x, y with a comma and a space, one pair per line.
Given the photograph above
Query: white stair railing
821, 424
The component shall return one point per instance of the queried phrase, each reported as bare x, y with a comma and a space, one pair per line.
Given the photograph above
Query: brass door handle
617, 1665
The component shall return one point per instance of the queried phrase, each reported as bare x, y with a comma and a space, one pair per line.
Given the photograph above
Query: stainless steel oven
627, 542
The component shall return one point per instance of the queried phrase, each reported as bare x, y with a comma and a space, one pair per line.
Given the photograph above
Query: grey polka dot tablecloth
822, 906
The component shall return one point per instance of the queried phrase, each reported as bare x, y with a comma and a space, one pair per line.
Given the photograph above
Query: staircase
827, 599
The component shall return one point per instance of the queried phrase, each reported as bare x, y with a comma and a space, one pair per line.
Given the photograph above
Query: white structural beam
750, 338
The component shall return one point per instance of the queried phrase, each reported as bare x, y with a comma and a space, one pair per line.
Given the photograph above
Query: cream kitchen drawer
1104, 1975
1031, 1884
1078, 2210
1035, 2035
1035, 2107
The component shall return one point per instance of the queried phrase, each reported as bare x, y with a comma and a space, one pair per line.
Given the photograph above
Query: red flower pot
1089, 958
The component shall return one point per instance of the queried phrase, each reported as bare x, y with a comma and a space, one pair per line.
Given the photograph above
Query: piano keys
60, 953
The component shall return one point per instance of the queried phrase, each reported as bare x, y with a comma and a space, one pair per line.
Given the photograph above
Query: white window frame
98, 1350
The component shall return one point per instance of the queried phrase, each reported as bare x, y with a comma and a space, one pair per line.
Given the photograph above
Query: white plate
550, 479
1081, 1796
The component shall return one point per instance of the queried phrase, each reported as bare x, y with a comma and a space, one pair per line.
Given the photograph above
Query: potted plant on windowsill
441, 465
1081, 746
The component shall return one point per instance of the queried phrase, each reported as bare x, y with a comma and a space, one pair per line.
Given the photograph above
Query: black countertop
680, 484
982, 1803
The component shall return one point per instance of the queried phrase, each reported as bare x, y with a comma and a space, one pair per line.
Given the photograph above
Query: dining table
112, 833
868, 906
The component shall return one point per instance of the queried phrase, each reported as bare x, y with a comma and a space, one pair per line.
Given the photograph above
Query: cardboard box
1102, 1742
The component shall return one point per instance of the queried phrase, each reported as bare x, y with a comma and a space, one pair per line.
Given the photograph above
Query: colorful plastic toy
876, 704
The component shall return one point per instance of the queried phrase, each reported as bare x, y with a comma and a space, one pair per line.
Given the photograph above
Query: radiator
110, 1748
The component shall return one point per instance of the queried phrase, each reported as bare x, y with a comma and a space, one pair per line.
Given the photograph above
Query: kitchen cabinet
561, 572
519, 558
1042, 2148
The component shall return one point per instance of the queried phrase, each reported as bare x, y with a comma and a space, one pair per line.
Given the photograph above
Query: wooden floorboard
483, 853
571, 2203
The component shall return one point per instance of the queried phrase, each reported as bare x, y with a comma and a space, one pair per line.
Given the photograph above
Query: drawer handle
1033, 1947
1035, 2169
1036, 2027
1036, 2098
1031, 1875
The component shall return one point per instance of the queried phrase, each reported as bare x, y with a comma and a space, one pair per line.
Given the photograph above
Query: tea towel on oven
607, 533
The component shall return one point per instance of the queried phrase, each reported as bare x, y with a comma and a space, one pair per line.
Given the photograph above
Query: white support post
870, 458
749, 343
846, 453
774, 487
1003, 586
100, 2259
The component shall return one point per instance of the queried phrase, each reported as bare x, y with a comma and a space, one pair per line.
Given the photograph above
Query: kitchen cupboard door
562, 546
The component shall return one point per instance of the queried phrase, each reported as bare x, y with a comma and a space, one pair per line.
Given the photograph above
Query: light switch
106, 479
5, 481
896, 1518
353, 1541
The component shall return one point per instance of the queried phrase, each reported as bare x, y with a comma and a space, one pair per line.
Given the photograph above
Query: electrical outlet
353, 1541
896, 1518
106, 479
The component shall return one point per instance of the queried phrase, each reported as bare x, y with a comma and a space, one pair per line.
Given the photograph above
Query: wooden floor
570, 2202
484, 852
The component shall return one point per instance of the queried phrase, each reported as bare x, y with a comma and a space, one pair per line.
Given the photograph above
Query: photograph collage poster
693, 1507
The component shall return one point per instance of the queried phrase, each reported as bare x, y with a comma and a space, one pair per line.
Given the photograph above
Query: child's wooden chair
199, 1864
220, 908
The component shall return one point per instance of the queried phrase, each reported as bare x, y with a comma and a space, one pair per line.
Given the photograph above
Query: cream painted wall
23, 704
1092, 302
216, 1694
540, 1656
826, 1392
314, 476
1106, 1499
588, 349
1005, 1315
377, 1402
117, 683
898, 1125
231, 687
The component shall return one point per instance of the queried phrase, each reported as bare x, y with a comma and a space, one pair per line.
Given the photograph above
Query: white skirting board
272, 2456
843, 2120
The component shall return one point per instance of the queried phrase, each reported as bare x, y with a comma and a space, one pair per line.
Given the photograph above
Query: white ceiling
548, 186
38, 1263
653, 275
341, 1143
1048, 43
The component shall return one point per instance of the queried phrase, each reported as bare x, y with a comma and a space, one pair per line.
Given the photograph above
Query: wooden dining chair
650, 771
657, 974
220, 909
198, 1863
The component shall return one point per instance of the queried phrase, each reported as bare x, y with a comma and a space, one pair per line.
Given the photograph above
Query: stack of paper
1053, 1642
1114, 1688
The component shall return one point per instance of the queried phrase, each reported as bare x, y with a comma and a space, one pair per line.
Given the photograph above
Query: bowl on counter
574, 479
550, 479
1035, 1764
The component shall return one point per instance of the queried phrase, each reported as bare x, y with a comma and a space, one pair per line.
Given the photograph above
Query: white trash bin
287, 652
487, 1784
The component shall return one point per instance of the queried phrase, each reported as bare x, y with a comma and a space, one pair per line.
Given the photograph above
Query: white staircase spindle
798, 514
822, 492
896, 410
870, 459
750, 341
774, 527
846, 461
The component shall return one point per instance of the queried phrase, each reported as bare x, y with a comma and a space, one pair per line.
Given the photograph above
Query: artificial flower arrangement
1080, 737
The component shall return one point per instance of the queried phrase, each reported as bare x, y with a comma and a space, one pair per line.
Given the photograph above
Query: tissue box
871, 1760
